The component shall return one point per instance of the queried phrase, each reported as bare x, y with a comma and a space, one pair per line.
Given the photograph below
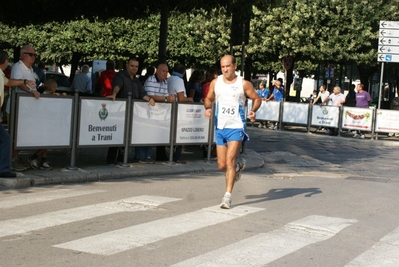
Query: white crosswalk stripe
258, 250
140, 235
41, 221
383, 254
38, 197
267, 247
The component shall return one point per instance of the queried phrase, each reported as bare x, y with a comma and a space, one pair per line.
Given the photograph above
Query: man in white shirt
176, 87
337, 99
22, 70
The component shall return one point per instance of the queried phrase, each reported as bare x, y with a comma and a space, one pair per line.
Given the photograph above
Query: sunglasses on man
30, 54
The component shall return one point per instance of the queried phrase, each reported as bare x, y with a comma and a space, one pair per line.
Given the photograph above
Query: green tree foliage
312, 31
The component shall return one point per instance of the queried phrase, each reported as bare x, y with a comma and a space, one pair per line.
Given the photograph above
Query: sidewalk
292, 151
92, 167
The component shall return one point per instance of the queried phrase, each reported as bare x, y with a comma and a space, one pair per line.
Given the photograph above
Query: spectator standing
82, 82
323, 94
263, 93
49, 88
350, 99
106, 78
22, 70
156, 86
176, 87
312, 96
363, 100
193, 88
7, 74
40, 70
395, 106
149, 72
210, 75
230, 92
124, 82
277, 95
4, 136
337, 99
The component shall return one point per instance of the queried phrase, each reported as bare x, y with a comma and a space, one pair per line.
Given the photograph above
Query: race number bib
228, 110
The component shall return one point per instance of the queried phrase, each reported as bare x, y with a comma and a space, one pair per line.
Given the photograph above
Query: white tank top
230, 102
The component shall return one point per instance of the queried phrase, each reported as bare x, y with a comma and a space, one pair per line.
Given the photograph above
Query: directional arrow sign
388, 58
389, 33
388, 41
384, 24
388, 49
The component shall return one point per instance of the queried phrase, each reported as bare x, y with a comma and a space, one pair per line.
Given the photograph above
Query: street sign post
388, 47
388, 43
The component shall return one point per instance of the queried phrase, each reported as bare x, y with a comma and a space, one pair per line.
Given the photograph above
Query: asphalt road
318, 201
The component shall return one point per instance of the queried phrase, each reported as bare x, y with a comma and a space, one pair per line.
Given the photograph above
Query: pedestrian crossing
267, 247
260, 249
384, 253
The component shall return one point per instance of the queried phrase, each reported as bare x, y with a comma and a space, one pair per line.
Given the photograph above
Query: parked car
63, 84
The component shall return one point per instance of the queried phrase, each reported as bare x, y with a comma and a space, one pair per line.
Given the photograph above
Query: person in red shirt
106, 77
209, 76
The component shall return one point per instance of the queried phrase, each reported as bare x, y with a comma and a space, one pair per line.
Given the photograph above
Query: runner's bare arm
210, 97
251, 94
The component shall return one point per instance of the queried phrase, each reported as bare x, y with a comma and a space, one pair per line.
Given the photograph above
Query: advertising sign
44, 122
387, 121
357, 118
102, 122
325, 116
269, 110
192, 126
151, 124
295, 113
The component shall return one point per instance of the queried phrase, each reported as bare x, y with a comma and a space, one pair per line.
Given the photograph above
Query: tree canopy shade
22, 12
312, 31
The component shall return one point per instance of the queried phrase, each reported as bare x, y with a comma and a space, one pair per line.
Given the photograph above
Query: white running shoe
226, 202
34, 163
241, 165
46, 166
362, 136
356, 135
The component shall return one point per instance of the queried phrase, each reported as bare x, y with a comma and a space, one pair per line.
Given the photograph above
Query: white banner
151, 124
296, 113
357, 118
268, 111
102, 122
44, 122
192, 126
325, 116
387, 121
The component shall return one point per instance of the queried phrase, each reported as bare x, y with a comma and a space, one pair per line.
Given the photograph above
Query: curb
95, 174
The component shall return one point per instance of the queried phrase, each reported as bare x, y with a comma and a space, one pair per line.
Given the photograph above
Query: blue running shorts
223, 136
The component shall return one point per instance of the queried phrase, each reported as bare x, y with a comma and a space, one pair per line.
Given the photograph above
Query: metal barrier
74, 122
351, 118
80, 122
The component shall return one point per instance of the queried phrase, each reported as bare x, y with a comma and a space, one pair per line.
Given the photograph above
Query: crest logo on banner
103, 113
325, 111
288, 61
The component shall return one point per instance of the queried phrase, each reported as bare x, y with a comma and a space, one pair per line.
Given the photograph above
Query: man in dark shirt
124, 82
